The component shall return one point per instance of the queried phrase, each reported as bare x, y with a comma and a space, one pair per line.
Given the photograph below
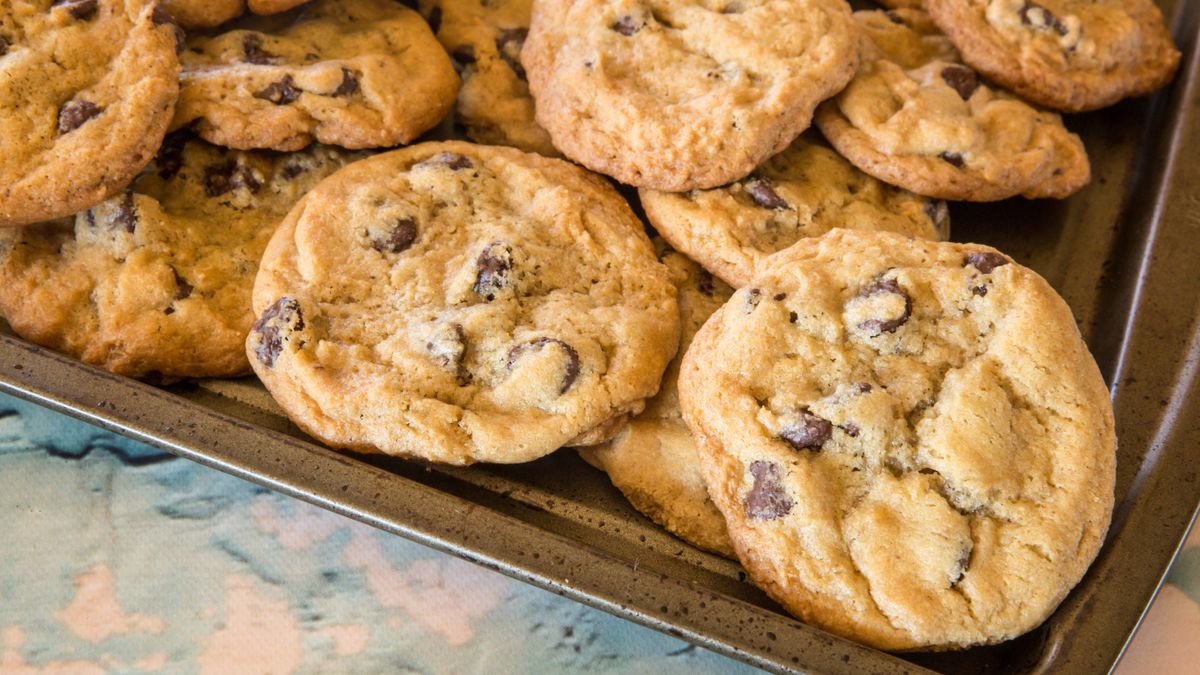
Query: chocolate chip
806, 431
290, 171
627, 25
398, 239
961, 79
281, 92
569, 374
1037, 16
779, 297
884, 325
464, 54
705, 282
78, 9
161, 17
862, 388
763, 194
793, 317
939, 213
850, 428
448, 346
962, 564
182, 288
228, 176
955, 159
170, 155
254, 52
75, 114
509, 45
4, 43
349, 83
767, 499
985, 261
979, 290
451, 160
753, 296
272, 328
493, 267
126, 214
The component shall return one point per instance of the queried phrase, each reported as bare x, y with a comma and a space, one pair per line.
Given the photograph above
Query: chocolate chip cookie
356, 74
908, 439
804, 191
156, 281
1070, 55
87, 89
203, 13
916, 117
484, 40
676, 95
462, 303
653, 460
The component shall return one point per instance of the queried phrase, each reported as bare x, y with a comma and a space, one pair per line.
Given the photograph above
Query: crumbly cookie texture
1070, 55
86, 92
804, 191
654, 461
462, 303
909, 440
675, 95
156, 282
485, 40
357, 74
915, 117
203, 13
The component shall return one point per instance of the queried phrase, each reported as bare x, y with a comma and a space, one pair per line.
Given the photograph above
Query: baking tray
1123, 253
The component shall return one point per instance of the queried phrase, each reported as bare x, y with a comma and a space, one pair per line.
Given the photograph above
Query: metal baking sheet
1123, 253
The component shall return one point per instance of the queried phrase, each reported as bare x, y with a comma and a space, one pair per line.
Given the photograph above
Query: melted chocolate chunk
161, 17
767, 499
463, 54
398, 239
79, 9
170, 155
627, 25
75, 114
272, 328
228, 176
450, 160
281, 92
961, 79
763, 194
569, 374
1037, 16
126, 216
349, 83
954, 159
254, 52
807, 431
509, 45
985, 261
753, 296
779, 297
879, 326
494, 267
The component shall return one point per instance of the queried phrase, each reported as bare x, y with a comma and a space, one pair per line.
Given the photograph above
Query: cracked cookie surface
916, 117
909, 441
653, 461
485, 40
462, 303
156, 281
359, 75
682, 94
87, 89
804, 191
1070, 55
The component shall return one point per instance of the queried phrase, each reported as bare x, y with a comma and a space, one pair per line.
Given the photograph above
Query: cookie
272, 6
917, 118
156, 282
676, 95
203, 13
909, 441
653, 460
804, 191
87, 89
1070, 55
485, 40
357, 74
900, 4
462, 303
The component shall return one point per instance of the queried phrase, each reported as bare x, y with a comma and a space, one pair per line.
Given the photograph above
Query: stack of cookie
904, 440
